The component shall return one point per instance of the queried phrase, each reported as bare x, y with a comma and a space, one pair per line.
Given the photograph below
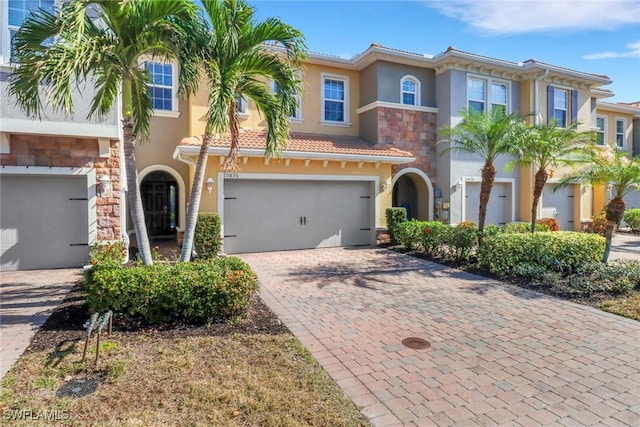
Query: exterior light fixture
459, 185
104, 186
385, 185
209, 185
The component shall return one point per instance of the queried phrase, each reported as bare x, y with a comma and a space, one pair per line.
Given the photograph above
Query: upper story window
478, 95
562, 105
162, 87
620, 132
601, 125
410, 90
295, 115
242, 105
18, 11
335, 99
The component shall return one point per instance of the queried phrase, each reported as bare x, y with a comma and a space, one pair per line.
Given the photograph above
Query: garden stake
89, 324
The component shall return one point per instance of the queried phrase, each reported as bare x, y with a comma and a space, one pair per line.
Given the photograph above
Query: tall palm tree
486, 135
238, 60
103, 42
549, 147
609, 167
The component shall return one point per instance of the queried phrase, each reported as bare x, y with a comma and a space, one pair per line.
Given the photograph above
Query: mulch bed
65, 324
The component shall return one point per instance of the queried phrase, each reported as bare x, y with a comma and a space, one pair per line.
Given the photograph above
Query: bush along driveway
498, 355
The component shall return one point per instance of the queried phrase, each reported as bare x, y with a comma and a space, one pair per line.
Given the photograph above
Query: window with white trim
335, 99
601, 129
295, 115
560, 106
16, 13
483, 92
161, 85
620, 132
410, 91
242, 105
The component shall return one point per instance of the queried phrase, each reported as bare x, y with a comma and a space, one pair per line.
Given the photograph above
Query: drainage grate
78, 388
415, 343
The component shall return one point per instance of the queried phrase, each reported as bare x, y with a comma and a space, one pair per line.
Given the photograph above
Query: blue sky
595, 36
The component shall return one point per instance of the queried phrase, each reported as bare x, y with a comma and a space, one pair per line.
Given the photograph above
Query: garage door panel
268, 215
498, 208
44, 222
559, 204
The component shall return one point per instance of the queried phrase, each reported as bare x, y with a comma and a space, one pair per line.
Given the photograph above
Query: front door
159, 201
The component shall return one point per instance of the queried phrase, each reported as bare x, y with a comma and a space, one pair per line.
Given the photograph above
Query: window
335, 99
478, 97
410, 91
620, 132
161, 85
18, 11
560, 107
297, 114
601, 125
242, 105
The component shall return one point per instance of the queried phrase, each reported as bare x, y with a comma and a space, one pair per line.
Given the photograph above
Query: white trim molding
384, 104
345, 102
89, 173
425, 178
43, 127
605, 131
182, 192
623, 133
416, 94
477, 179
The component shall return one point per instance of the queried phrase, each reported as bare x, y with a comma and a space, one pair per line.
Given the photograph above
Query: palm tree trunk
133, 191
611, 225
231, 163
541, 180
194, 199
614, 211
488, 177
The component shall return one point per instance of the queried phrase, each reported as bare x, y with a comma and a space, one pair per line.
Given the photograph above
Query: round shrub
395, 217
632, 218
599, 223
207, 235
551, 224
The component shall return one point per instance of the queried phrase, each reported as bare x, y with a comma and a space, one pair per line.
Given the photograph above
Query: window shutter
574, 106
549, 103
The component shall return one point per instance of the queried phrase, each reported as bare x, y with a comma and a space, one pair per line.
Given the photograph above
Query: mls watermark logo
39, 415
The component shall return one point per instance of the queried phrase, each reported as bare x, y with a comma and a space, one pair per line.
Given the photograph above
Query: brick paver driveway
499, 355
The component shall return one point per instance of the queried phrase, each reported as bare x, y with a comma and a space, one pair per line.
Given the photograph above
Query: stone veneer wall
53, 151
412, 131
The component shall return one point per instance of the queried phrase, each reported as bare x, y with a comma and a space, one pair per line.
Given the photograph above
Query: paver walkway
499, 355
26, 301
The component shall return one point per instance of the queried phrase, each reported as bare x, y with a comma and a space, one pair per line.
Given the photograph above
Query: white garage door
44, 222
271, 215
559, 205
632, 199
498, 209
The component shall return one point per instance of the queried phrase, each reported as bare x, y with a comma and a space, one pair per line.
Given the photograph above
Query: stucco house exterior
59, 175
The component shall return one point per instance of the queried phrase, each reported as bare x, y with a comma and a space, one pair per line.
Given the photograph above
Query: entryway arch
413, 190
164, 200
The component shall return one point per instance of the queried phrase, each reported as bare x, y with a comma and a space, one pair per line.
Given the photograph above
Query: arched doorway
412, 189
159, 191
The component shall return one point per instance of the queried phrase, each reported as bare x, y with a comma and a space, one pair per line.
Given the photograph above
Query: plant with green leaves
548, 147
632, 218
487, 135
102, 43
613, 169
238, 58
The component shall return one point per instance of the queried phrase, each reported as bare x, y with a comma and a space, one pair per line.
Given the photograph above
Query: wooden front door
155, 198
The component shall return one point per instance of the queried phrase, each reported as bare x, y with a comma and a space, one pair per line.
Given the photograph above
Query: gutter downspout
123, 186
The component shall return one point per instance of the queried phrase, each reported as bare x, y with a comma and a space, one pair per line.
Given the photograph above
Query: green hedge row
207, 235
395, 217
438, 239
632, 218
191, 292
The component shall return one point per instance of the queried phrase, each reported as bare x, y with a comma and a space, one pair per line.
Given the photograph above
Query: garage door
632, 199
43, 222
271, 215
498, 209
559, 205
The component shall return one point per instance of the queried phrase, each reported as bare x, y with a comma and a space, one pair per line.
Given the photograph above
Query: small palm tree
103, 42
486, 135
609, 167
238, 61
549, 147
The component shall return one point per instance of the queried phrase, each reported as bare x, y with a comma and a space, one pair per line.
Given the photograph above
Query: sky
593, 36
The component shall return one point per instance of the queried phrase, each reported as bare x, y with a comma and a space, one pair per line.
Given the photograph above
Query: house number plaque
231, 175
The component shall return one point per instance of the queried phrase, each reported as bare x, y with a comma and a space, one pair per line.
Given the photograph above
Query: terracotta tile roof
630, 104
307, 142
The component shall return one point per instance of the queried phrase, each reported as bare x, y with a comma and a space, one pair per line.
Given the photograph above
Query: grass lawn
204, 376
628, 306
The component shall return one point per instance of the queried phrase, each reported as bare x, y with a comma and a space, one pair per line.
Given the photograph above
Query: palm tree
549, 147
487, 135
238, 59
104, 42
609, 167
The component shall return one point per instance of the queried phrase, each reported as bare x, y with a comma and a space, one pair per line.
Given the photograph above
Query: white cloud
525, 16
633, 52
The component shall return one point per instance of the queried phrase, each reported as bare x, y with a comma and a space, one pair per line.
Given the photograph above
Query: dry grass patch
624, 306
152, 380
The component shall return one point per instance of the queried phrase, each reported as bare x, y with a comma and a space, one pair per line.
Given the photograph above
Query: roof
254, 139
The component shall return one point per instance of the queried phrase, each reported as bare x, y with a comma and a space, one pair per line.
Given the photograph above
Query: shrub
632, 218
617, 277
395, 217
599, 223
462, 241
469, 224
207, 235
432, 236
409, 233
561, 251
551, 223
107, 253
192, 292
524, 227
491, 230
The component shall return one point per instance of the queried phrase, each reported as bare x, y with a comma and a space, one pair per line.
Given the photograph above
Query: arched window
410, 90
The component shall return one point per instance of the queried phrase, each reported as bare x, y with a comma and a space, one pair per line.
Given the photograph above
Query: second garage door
271, 215
498, 208
559, 205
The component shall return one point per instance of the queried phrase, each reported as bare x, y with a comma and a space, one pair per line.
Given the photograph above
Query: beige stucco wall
610, 126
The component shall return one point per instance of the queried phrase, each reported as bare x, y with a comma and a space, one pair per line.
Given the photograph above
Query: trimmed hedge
632, 218
523, 227
395, 217
207, 235
107, 253
560, 250
162, 293
438, 239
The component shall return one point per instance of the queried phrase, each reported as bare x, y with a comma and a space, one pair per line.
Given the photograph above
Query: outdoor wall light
209, 185
104, 186
385, 185
459, 185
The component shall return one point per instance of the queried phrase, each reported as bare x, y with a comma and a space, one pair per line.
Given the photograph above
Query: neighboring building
60, 176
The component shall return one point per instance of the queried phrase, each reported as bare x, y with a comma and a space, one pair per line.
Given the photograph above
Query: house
59, 176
